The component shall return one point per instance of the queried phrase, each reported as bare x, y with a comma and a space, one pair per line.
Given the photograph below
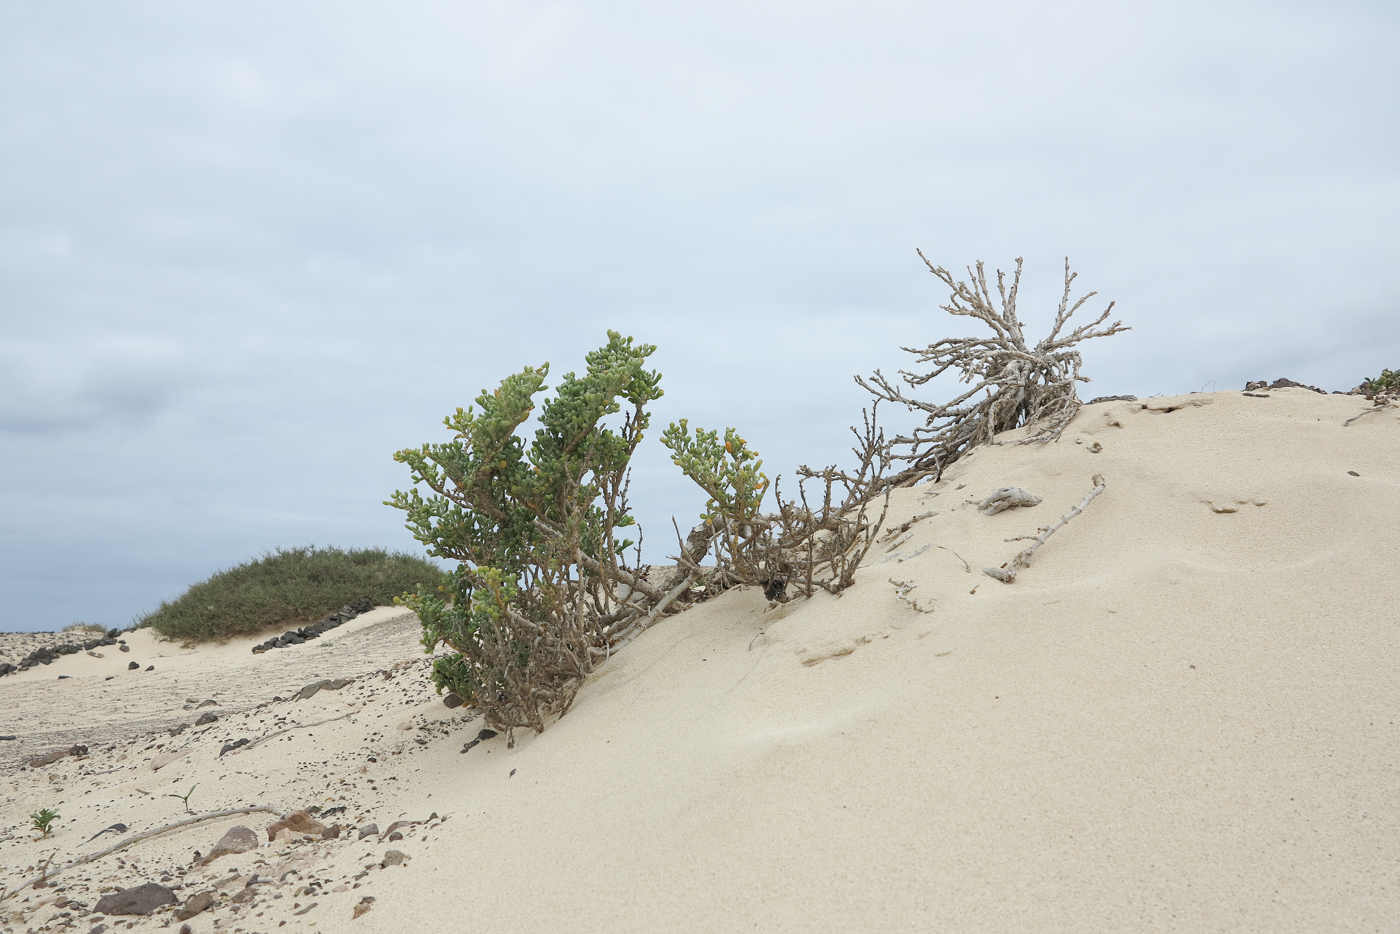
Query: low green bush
542, 589
1388, 382
286, 589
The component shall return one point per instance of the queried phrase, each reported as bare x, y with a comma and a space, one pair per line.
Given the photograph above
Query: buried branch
1007, 572
137, 839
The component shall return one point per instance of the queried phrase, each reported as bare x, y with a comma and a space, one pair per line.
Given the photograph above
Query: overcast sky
249, 250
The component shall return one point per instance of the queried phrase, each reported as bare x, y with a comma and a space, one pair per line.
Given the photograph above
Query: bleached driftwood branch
1007, 572
49, 873
299, 726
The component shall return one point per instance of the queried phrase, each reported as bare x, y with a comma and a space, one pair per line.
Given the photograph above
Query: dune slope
1181, 716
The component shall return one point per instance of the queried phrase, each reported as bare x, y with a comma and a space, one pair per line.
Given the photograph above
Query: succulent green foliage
530, 527
1387, 382
185, 798
730, 473
43, 820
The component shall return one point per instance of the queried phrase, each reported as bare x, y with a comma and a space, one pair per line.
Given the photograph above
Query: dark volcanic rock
451, 701
307, 633
141, 900
134, 666
205, 718
237, 744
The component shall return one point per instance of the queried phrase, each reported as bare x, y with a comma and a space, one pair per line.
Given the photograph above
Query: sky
248, 251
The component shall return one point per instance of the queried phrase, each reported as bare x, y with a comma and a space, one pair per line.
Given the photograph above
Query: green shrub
1388, 382
542, 589
808, 544
85, 627
286, 589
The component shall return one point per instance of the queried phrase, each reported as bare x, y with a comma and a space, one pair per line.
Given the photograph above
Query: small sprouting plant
43, 820
185, 798
1387, 382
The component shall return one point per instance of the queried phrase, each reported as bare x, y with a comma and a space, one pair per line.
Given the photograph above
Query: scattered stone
7, 737
306, 909
150, 667
184, 929
134, 666
395, 836
1279, 384
208, 703
452, 701
393, 858
311, 689
297, 822
368, 830
115, 828
205, 718
487, 734
49, 758
163, 759
177, 730
468, 746
124, 647
237, 744
192, 700
141, 900
194, 905
99, 928
332, 832
239, 839
365, 904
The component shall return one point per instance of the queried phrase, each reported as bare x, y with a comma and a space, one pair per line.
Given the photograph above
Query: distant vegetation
287, 589
85, 627
1388, 382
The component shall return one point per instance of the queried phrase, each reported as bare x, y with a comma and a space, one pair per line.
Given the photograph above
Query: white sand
1177, 718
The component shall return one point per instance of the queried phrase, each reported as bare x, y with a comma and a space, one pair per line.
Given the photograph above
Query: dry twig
1007, 572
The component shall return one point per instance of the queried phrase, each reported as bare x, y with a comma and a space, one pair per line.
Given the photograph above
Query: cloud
250, 250
47, 388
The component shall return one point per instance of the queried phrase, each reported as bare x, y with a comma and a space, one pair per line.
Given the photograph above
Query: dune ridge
1180, 716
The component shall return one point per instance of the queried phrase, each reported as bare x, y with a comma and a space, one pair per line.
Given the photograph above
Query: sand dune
1181, 716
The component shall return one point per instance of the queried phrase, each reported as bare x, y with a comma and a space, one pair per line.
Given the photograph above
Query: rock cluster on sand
315, 630
47, 654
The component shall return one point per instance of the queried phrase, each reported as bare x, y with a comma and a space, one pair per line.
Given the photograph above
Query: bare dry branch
1012, 385
1007, 572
